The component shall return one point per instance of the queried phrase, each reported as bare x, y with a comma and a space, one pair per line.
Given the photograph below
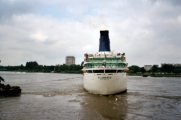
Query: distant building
177, 65
148, 67
69, 60
134, 65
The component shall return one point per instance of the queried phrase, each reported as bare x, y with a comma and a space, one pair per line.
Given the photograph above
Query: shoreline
77, 72
69, 72
157, 75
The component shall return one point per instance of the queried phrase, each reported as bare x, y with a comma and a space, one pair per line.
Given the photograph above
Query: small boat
9, 90
145, 75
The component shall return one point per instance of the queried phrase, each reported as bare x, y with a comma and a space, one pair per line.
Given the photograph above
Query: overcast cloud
148, 31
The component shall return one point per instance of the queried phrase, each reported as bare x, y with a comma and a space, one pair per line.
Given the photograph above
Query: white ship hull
105, 83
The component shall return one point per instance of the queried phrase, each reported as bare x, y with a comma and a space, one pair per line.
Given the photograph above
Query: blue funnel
104, 45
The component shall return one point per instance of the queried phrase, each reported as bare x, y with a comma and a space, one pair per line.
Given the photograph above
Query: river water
61, 96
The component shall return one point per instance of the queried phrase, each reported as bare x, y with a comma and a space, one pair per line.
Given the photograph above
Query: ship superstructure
104, 72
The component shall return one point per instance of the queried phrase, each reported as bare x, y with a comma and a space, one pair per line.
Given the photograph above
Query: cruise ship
104, 72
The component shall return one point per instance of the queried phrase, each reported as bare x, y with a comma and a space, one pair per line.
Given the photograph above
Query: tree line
155, 69
33, 66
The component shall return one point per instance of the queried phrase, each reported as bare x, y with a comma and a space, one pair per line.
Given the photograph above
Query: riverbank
165, 75
71, 72
156, 75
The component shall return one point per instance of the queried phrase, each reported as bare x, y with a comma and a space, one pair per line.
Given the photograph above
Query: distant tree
154, 68
33, 65
167, 68
134, 68
22, 67
130, 71
40, 67
177, 70
159, 70
142, 69
64, 67
57, 68
27, 64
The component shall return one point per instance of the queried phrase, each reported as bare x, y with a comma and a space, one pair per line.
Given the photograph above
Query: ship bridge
105, 59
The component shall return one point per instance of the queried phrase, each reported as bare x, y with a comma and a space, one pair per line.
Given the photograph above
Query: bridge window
89, 71
110, 71
98, 71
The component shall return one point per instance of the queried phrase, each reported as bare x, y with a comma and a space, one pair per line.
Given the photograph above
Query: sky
147, 31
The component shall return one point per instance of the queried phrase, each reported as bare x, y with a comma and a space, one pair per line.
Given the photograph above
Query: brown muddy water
61, 96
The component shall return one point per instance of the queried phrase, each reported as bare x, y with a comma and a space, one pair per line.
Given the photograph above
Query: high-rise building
69, 60
148, 67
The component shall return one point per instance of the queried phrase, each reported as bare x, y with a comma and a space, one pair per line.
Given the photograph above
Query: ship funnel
104, 43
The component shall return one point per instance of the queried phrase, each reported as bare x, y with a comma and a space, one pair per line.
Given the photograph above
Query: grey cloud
173, 2
148, 32
7, 9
